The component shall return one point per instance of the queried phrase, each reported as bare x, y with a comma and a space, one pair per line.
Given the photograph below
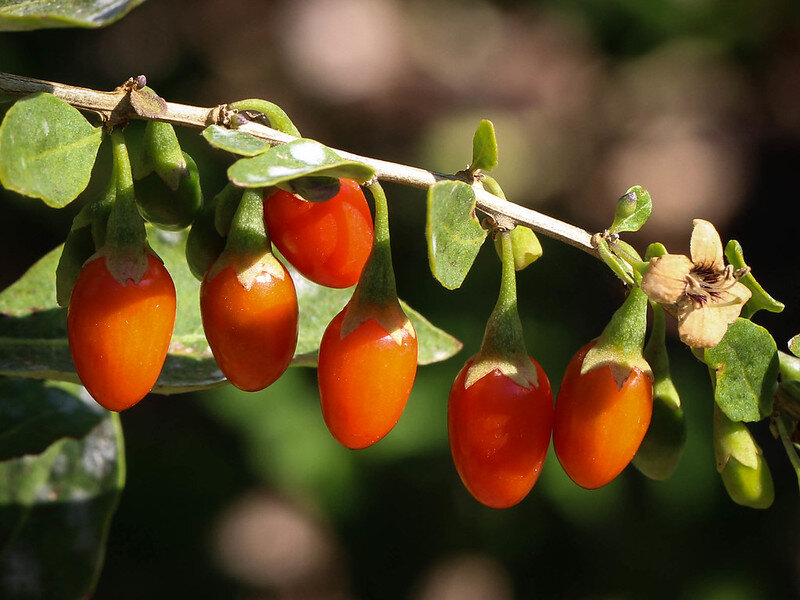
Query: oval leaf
454, 233
47, 149
760, 298
33, 330
234, 141
633, 210
484, 147
17, 15
299, 158
35, 414
746, 366
55, 511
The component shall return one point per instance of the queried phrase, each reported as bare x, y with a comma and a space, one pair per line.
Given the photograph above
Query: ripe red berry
365, 379
327, 242
252, 333
119, 334
499, 434
599, 426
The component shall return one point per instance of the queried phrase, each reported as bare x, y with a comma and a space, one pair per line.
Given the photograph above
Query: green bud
626, 206
204, 243
167, 208
663, 444
527, 248
78, 247
741, 464
160, 148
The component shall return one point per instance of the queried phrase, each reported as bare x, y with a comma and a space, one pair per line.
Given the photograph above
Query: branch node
221, 115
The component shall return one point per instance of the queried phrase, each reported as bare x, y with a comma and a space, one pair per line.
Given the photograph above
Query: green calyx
741, 464
248, 251
125, 246
204, 244
161, 152
503, 346
375, 296
226, 204
619, 347
663, 444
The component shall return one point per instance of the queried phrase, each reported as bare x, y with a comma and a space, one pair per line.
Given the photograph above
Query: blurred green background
247, 496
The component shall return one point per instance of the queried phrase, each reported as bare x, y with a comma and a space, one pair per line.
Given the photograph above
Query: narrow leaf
746, 366
484, 147
633, 210
234, 141
47, 149
760, 298
454, 233
299, 158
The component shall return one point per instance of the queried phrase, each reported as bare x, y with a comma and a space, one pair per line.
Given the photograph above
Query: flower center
704, 283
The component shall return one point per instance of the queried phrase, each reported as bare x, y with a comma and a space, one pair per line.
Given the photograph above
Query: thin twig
115, 103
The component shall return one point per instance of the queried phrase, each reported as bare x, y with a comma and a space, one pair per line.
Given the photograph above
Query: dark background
246, 496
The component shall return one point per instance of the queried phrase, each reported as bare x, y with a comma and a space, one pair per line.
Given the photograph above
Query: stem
788, 445
248, 235
125, 226
377, 283
111, 103
504, 337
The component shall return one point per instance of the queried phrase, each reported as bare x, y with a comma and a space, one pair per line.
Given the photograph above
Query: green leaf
454, 233
55, 511
746, 366
484, 147
35, 414
18, 15
295, 159
234, 141
794, 345
47, 149
33, 330
760, 298
633, 210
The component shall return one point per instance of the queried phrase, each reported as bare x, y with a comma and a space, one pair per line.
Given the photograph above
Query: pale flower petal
665, 281
706, 246
705, 326
701, 327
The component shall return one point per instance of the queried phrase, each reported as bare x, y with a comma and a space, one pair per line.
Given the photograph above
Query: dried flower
703, 293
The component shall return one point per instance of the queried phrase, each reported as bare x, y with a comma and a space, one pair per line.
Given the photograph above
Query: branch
115, 105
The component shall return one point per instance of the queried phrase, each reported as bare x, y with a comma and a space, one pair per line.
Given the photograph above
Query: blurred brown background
243, 496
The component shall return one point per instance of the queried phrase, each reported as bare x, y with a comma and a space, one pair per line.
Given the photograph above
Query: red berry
499, 434
252, 333
599, 426
119, 334
365, 379
327, 242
